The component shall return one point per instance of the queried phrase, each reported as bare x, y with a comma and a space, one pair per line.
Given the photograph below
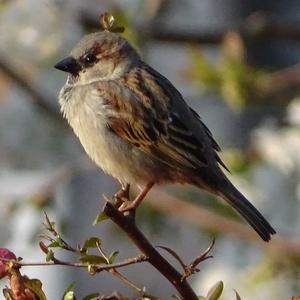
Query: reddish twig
97, 267
190, 269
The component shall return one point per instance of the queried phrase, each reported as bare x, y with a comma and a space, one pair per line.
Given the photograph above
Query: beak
69, 65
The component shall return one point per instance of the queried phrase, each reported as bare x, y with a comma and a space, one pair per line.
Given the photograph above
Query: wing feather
140, 110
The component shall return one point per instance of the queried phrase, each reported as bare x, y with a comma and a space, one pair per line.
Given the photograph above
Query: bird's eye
89, 59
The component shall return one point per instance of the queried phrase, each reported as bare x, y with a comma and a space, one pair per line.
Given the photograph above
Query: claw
128, 205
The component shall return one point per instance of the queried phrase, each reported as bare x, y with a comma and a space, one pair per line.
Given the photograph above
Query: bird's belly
114, 155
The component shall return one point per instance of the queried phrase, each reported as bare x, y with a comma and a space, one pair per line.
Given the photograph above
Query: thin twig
97, 267
190, 269
116, 273
163, 266
63, 244
127, 281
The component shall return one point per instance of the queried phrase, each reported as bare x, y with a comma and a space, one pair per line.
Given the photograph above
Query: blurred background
235, 62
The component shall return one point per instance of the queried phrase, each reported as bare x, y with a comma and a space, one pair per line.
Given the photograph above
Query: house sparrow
137, 127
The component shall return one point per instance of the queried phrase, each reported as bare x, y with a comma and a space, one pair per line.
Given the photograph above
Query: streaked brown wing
195, 132
159, 133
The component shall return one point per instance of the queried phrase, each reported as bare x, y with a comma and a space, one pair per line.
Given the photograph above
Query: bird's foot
121, 196
128, 205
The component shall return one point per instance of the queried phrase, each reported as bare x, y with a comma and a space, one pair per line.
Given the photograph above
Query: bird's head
98, 56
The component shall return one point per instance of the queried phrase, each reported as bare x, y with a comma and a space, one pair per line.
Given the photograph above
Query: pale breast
87, 117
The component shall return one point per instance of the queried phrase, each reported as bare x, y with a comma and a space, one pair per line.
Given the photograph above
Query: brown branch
127, 224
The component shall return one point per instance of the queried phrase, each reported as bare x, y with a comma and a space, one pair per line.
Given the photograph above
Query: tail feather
239, 202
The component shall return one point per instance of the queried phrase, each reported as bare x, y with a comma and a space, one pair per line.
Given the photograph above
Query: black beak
69, 65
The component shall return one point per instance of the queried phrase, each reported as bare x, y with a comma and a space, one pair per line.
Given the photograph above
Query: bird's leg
132, 205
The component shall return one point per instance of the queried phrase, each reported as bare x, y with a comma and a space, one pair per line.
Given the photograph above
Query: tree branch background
237, 67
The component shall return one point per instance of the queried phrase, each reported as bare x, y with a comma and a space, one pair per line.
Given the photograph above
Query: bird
136, 126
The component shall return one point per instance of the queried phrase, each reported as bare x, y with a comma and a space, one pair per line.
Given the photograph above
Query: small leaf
201, 298
57, 243
50, 255
106, 21
215, 292
91, 296
35, 286
54, 244
49, 225
99, 218
69, 296
92, 242
112, 257
93, 259
69, 293
8, 294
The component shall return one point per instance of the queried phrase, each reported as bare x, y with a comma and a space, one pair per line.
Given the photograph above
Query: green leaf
69, 293
91, 296
35, 287
50, 255
93, 259
50, 225
92, 242
99, 218
215, 292
56, 243
112, 257
69, 296
201, 298
8, 294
